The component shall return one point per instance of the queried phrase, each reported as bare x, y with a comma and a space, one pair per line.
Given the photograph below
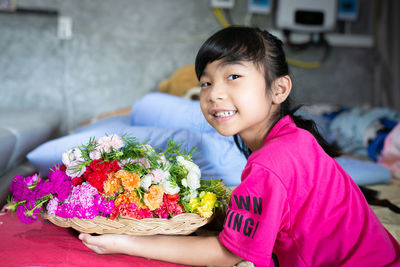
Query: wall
120, 50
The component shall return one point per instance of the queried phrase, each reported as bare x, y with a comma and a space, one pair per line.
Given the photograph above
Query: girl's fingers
91, 242
84, 237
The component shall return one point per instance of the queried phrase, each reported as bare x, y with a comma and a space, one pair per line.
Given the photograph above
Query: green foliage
218, 188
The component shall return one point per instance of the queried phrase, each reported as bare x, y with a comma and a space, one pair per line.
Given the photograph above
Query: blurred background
82, 58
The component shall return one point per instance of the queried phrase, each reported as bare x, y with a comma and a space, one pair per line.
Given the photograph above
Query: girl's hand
187, 250
105, 244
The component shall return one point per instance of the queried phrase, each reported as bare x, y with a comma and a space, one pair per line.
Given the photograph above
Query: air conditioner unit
306, 15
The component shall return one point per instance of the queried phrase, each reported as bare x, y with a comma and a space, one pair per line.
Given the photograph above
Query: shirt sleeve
255, 214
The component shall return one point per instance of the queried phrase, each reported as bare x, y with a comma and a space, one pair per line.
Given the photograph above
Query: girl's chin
225, 132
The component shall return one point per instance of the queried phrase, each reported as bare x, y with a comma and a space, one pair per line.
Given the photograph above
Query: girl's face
234, 100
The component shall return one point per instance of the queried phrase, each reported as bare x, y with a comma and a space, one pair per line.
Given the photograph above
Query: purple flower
86, 212
65, 210
104, 206
17, 187
63, 190
42, 189
58, 176
61, 184
32, 180
27, 212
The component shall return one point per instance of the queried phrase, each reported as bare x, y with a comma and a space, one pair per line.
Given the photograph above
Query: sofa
21, 130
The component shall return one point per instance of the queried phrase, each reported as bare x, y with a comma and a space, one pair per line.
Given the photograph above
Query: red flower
96, 172
169, 206
77, 181
130, 210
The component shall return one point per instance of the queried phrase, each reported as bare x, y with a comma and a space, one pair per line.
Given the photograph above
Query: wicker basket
182, 224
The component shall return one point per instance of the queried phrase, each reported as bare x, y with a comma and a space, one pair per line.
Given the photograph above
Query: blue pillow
217, 156
365, 172
168, 111
115, 122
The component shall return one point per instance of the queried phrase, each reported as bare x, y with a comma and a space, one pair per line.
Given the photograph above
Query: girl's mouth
223, 114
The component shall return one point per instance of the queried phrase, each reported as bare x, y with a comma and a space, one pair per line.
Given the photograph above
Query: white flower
145, 181
107, 142
169, 188
74, 170
72, 157
93, 155
193, 180
166, 165
194, 174
184, 182
192, 194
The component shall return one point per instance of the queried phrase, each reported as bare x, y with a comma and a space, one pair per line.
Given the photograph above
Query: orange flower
130, 181
112, 185
154, 197
133, 197
122, 199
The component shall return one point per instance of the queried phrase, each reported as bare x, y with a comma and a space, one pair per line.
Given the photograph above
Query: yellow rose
208, 199
193, 204
204, 211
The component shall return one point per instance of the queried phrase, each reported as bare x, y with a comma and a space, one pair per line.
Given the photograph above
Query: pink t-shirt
297, 202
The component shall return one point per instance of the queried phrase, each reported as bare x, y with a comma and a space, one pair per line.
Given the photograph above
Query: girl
294, 200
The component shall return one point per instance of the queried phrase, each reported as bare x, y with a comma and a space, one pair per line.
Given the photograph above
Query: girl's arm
190, 250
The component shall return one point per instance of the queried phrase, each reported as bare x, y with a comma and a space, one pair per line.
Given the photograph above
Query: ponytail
332, 150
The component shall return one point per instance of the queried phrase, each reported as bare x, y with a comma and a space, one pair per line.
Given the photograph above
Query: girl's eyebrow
232, 63
224, 64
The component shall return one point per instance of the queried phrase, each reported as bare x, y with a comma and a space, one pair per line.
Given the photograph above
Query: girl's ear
281, 89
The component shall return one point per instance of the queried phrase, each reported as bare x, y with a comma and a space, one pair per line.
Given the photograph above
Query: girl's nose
217, 93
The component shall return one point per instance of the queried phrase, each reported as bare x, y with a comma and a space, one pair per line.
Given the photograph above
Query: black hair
238, 43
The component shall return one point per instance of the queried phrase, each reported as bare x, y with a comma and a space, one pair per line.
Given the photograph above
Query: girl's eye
233, 77
205, 84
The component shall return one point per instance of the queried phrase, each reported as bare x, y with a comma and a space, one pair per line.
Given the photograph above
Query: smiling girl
295, 205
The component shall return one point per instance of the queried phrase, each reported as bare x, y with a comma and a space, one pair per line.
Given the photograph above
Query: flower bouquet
118, 185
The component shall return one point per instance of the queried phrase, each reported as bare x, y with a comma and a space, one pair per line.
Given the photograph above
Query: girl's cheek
203, 97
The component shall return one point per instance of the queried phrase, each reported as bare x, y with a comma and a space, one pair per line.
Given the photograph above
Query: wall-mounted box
348, 10
259, 6
222, 3
306, 15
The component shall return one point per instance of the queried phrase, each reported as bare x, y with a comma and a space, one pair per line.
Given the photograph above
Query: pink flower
158, 175
107, 142
32, 180
52, 206
145, 163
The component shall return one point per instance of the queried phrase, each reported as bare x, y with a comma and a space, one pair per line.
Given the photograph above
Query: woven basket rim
181, 224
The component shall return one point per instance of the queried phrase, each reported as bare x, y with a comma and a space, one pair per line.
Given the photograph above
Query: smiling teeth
224, 114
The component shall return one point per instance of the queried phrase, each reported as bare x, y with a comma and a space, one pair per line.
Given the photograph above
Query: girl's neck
255, 140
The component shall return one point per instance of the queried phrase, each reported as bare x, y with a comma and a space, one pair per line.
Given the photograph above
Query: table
45, 244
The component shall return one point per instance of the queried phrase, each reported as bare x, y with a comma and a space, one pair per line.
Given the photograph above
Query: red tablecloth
45, 244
